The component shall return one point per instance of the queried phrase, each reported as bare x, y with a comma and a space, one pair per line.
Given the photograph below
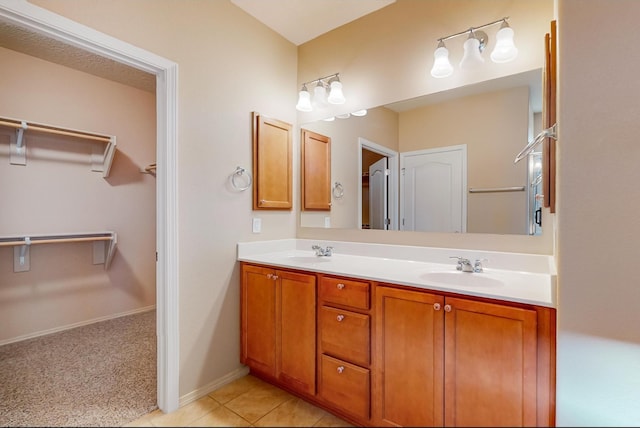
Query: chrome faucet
464, 265
322, 251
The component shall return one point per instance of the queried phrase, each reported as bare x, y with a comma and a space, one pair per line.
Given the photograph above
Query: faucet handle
461, 261
477, 266
328, 251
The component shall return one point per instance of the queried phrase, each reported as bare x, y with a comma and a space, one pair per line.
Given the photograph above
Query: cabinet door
408, 390
316, 171
490, 364
272, 171
258, 309
297, 331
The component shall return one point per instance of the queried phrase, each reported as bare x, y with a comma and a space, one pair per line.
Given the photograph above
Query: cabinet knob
274, 277
340, 286
269, 276
436, 306
447, 308
340, 317
340, 369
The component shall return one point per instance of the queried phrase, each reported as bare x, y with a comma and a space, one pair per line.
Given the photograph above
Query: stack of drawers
344, 338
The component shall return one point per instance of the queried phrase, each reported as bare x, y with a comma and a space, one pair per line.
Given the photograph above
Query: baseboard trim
212, 386
74, 325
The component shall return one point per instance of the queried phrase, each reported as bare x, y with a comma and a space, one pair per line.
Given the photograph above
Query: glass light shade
441, 65
360, 113
336, 96
505, 50
344, 116
472, 57
320, 95
304, 100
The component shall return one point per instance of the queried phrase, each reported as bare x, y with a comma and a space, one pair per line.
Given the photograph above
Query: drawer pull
340, 286
340, 369
340, 317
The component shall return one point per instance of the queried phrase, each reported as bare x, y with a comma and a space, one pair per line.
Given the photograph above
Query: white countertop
516, 277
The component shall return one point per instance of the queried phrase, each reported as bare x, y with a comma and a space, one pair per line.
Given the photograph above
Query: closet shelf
104, 245
100, 159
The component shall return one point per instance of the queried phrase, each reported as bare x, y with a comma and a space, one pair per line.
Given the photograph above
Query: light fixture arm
472, 29
320, 79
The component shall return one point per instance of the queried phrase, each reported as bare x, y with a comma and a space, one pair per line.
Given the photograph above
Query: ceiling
302, 20
296, 20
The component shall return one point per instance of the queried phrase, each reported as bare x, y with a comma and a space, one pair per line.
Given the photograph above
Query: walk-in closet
77, 236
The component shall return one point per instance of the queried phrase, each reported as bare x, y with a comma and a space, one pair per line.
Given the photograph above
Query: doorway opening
49, 25
378, 186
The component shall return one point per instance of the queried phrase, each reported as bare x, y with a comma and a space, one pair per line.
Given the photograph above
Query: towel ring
237, 173
338, 190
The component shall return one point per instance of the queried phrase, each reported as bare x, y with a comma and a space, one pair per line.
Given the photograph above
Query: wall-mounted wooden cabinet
272, 168
315, 171
549, 107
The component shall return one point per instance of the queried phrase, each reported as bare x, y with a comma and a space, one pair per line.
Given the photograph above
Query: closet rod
34, 241
53, 130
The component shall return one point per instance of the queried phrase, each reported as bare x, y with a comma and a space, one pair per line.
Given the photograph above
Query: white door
433, 190
378, 199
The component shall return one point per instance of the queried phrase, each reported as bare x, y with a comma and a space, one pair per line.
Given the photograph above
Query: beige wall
386, 56
598, 220
229, 65
56, 192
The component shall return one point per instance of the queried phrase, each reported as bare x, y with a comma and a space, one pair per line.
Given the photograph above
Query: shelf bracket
21, 256
101, 160
18, 149
103, 251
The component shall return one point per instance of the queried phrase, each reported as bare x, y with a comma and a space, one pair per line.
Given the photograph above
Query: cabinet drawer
345, 386
345, 334
345, 292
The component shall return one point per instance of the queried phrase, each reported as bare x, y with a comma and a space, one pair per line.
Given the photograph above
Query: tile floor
246, 402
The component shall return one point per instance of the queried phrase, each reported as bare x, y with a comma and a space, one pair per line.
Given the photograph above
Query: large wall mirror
439, 163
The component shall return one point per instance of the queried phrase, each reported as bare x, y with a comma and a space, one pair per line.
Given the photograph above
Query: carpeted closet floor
102, 374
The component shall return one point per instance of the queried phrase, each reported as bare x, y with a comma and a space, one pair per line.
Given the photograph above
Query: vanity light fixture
504, 50
320, 98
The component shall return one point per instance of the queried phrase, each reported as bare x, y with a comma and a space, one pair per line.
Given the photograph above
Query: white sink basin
479, 279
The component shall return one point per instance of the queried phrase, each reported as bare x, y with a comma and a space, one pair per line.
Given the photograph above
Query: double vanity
394, 335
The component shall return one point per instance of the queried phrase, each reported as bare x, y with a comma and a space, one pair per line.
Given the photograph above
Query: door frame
51, 25
462, 148
392, 194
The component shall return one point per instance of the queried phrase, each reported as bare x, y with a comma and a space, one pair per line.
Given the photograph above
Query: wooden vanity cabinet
451, 361
390, 355
278, 326
344, 346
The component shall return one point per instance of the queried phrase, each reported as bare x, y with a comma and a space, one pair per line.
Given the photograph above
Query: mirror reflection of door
433, 188
536, 197
378, 201
378, 192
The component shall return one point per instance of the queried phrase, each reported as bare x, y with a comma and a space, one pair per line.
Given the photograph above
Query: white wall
229, 65
598, 222
56, 192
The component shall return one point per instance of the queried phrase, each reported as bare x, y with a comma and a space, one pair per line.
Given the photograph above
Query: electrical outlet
327, 221
257, 225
